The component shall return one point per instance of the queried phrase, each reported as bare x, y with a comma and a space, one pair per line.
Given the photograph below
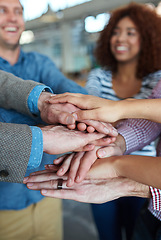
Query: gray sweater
15, 139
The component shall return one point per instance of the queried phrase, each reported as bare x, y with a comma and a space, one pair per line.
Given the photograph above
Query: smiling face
125, 41
11, 23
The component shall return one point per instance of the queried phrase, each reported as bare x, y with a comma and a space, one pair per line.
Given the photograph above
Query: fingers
66, 98
52, 184
65, 118
75, 163
104, 141
70, 194
86, 162
105, 128
65, 165
40, 176
111, 150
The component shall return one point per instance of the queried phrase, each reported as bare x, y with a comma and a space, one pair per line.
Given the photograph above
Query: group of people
129, 53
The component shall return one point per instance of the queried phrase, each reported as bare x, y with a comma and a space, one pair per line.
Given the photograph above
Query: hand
92, 125
114, 149
59, 139
55, 113
92, 107
76, 164
62, 113
89, 190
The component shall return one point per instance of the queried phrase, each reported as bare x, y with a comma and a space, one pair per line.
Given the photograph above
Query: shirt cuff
130, 138
156, 198
34, 97
36, 148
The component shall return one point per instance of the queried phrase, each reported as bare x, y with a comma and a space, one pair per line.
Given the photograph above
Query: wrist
124, 108
44, 140
121, 144
132, 188
43, 97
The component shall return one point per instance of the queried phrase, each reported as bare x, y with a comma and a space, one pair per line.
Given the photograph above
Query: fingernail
106, 130
61, 170
70, 120
77, 179
114, 131
32, 173
75, 116
69, 182
44, 191
25, 179
30, 184
101, 153
48, 165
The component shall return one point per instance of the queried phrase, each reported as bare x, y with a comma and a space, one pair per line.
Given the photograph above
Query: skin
11, 27
91, 189
125, 47
59, 139
116, 167
94, 107
125, 41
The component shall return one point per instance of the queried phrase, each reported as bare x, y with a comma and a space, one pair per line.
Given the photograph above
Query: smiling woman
129, 53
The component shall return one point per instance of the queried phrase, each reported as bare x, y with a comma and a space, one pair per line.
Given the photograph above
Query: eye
115, 33
2, 10
18, 11
131, 33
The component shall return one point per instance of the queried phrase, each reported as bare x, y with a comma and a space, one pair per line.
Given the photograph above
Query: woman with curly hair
129, 53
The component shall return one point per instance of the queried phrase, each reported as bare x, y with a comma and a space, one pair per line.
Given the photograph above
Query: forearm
16, 140
14, 92
141, 108
142, 169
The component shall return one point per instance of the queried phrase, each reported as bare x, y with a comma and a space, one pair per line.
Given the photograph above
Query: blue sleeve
36, 148
34, 96
52, 77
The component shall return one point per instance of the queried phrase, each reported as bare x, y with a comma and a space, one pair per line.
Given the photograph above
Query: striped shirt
137, 133
100, 84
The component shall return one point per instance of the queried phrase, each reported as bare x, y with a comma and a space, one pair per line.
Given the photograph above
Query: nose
11, 16
121, 36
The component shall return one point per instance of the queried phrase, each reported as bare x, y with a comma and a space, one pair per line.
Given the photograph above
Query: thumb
85, 115
65, 118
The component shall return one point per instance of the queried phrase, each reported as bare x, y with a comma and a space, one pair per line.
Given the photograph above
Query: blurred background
66, 31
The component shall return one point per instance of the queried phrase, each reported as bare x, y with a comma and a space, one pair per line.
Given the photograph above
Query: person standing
128, 51
22, 216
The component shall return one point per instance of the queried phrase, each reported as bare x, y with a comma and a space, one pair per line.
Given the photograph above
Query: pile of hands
87, 173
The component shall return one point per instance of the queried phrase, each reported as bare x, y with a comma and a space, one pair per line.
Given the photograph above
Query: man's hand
78, 164
59, 139
75, 164
62, 113
90, 190
55, 113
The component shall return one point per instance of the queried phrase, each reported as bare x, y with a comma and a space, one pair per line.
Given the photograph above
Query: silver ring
60, 184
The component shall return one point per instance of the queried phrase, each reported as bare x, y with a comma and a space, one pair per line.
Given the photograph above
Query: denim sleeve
34, 96
36, 148
52, 77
